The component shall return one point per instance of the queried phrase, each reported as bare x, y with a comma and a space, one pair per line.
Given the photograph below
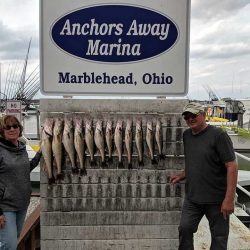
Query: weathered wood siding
115, 208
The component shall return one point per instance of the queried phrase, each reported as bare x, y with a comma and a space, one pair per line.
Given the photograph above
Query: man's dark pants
190, 219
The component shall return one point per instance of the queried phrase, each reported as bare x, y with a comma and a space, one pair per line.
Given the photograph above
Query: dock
71, 217
239, 236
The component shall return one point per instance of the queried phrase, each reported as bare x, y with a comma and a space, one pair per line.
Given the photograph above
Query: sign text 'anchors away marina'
91, 34
96, 47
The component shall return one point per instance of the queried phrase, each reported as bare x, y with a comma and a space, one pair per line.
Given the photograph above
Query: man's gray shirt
205, 156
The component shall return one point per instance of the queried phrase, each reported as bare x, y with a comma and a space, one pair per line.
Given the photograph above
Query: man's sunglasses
192, 116
8, 127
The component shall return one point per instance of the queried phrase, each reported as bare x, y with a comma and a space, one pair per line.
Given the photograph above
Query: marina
239, 234
100, 90
240, 220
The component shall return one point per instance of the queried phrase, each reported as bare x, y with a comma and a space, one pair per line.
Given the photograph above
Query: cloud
14, 46
220, 39
220, 51
244, 70
19, 22
214, 9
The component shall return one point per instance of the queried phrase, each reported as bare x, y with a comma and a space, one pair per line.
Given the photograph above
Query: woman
15, 186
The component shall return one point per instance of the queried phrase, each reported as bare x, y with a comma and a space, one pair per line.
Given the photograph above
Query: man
211, 179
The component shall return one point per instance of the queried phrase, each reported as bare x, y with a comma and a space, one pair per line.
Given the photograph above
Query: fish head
138, 125
129, 125
158, 125
150, 125
78, 124
119, 126
68, 125
109, 125
58, 126
99, 125
48, 126
88, 125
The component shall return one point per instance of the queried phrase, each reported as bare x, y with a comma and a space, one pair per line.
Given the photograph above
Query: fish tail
51, 180
50, 173
110, 159
141, 163
120, 164
83, 171
161, 156
92, 163
74, 170
59, 176
81, 163
103, 164
130, 166
154, 161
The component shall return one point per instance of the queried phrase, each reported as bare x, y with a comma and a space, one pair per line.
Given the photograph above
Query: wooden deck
30, 235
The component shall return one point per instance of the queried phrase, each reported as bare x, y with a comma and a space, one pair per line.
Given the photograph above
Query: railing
243, 161
245, 219
243, 190
30, 235
242, 156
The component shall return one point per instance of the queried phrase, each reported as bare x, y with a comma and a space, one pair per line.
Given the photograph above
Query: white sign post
14, 108
126, 47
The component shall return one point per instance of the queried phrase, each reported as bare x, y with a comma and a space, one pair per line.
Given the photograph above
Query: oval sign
114, 33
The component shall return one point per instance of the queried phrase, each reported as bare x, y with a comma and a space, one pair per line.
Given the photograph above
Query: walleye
80, 145
99, 141
118, 142
129, 142
139, 141
57, 146
89, 139
68, 142
46, 146
158, 138
150, 141
108, 136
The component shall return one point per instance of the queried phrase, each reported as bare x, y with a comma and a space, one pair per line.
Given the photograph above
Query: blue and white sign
90, 33
122, 48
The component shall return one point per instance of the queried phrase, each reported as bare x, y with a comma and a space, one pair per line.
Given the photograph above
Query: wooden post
240, 120
38, 124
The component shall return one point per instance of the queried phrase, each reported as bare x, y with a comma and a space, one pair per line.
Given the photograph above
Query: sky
219, 44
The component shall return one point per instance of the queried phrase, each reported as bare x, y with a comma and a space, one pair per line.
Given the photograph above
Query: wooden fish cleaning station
113, 208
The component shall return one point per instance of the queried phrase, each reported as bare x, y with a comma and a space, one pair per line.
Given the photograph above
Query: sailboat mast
22, 80
0, 83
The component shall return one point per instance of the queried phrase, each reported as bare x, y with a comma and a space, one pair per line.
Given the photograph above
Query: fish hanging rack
171, 138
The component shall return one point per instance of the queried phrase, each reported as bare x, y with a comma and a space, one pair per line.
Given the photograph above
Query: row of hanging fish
79, 138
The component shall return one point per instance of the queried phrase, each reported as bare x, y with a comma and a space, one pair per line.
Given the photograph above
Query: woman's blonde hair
9, 120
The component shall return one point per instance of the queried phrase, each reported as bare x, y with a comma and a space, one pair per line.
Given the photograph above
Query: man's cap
194, 108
